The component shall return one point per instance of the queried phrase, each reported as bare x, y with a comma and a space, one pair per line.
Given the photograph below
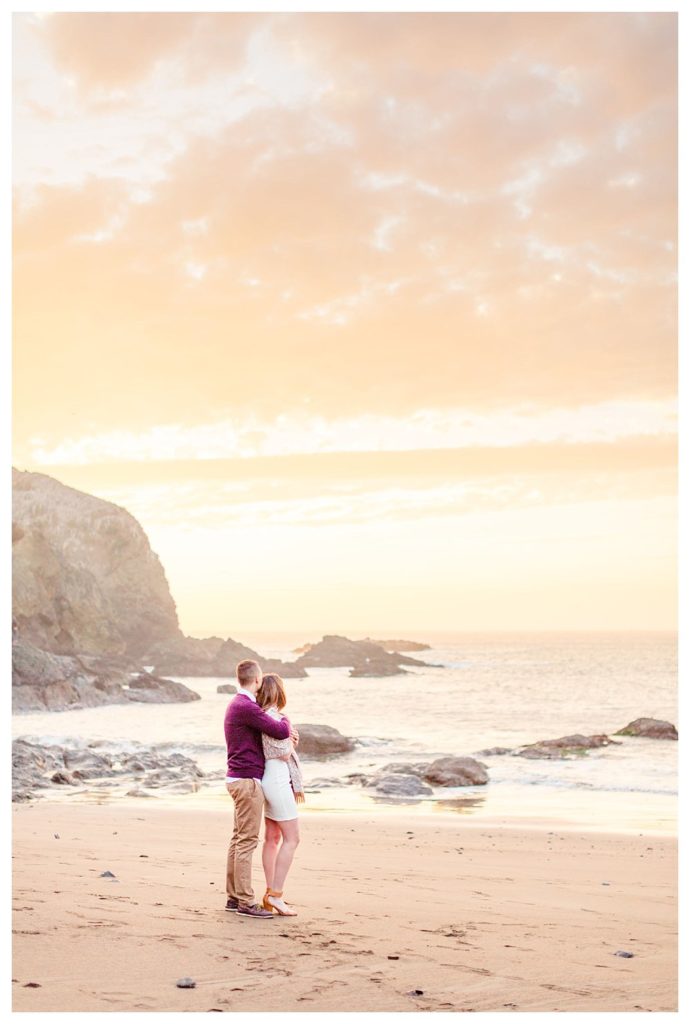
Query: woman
283, 790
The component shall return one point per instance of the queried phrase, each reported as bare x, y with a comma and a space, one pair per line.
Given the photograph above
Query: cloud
118, 49
631, 454
399, 212
426, 429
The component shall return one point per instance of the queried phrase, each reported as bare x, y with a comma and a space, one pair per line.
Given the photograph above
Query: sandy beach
394, 915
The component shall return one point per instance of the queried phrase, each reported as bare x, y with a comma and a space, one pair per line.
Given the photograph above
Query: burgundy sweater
244, 723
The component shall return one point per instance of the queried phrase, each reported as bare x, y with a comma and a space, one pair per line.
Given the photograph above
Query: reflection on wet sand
460, 804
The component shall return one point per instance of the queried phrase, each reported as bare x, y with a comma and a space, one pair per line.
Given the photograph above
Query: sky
369, 319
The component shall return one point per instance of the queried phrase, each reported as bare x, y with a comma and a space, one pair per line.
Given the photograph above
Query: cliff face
85, 579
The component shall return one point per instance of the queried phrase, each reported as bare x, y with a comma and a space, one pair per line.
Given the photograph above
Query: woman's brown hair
271, 691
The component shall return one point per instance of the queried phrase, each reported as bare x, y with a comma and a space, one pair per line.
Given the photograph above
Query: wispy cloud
424, 429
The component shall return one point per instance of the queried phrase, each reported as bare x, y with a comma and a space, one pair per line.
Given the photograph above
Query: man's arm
255, 716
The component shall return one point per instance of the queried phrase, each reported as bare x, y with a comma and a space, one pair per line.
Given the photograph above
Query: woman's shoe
285, 911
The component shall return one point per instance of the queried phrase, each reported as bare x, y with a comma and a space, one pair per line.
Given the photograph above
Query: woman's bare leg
269, 852
290, 834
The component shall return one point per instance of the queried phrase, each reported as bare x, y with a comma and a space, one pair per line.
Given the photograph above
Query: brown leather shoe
254, 910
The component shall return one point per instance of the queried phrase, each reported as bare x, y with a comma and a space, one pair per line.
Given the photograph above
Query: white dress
280, 799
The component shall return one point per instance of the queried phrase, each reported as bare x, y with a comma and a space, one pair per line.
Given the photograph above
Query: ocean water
485, 690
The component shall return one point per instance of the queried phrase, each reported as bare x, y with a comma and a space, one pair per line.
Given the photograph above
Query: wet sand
395, 914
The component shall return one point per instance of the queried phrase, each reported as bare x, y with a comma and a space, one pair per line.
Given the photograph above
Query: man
244, 723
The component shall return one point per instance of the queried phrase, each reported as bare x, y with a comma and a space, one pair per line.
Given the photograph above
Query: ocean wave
574, 784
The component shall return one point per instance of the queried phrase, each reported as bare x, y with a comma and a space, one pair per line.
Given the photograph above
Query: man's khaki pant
249, 805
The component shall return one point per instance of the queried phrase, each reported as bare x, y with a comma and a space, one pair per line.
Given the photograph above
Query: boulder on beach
31, 767
398, 784
456, 771
85, 763
565, 747
226, 688
37, 766
149, 689
652, 728
322, 741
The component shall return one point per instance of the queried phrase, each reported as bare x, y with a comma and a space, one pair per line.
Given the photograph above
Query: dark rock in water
400, 785
211, 656
396, 646
322, 741
42, 681
84, 579
376, 670
184, 656
652, 728
578, 740
539, 753
565, 747
356, 777
186, 983
284, 669
494, 752
324, 783
231, 652
150, 689
226, 688
406, 768
364, 656
456, 771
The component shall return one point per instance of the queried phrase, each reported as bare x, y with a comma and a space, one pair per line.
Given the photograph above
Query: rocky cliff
85, 580
91, 605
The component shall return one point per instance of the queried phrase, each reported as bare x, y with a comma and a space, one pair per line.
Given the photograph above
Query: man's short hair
247, 670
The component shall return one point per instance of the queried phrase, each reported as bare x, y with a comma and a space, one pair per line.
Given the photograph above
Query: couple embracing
263, 779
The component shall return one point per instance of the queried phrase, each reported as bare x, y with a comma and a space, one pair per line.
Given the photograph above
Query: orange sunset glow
369, 319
